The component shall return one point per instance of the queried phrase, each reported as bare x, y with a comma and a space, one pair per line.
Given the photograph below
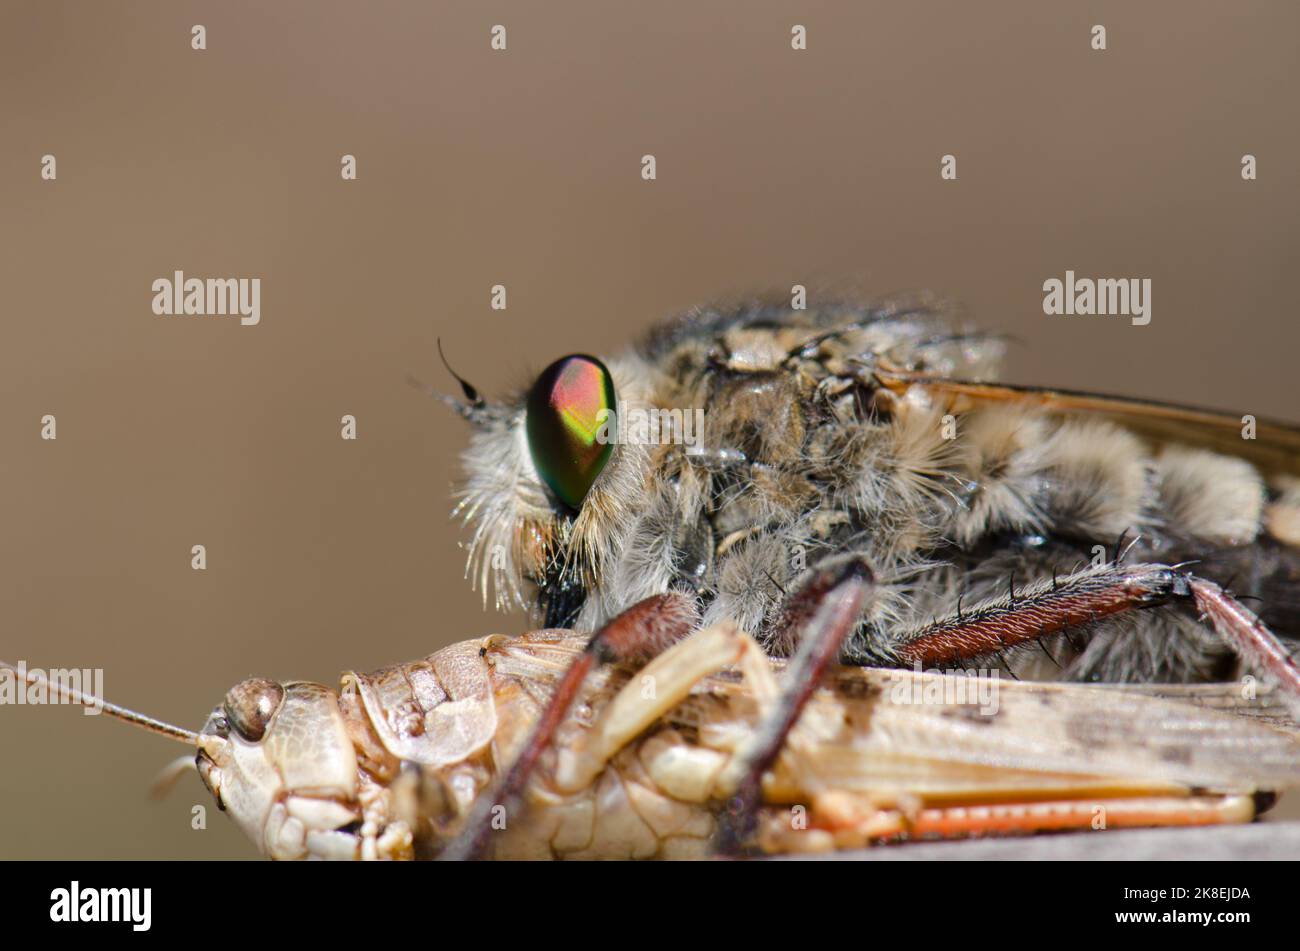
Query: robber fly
854, 470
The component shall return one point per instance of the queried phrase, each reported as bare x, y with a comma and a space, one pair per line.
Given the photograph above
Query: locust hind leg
845, 822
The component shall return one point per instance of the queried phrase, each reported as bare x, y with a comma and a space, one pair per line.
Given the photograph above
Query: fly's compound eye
568, 437
250, 705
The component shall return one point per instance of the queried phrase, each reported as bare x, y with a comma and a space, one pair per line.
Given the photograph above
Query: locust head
310, 772
278, 758
282, 761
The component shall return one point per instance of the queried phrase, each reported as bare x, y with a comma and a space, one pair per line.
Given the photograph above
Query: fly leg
1056, 606
826, 611
1249, 638
1034, 612
638, 634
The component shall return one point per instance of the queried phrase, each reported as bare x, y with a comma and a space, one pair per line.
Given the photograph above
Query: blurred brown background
476, 167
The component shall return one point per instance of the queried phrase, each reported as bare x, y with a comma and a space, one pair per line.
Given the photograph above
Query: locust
391, 764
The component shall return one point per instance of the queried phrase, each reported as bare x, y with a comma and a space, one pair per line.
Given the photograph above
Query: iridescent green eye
564, 421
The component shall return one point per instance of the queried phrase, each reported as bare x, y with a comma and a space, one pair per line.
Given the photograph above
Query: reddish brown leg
1043, 609
1246, 634
635, 636
1059, 605
831, 604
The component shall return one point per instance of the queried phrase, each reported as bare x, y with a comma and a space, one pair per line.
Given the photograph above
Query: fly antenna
471, 394
34, 678
476, 410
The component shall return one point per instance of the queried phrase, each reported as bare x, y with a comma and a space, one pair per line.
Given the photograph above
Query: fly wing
1275, 448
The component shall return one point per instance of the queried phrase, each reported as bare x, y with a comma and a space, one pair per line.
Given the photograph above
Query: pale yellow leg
672, 675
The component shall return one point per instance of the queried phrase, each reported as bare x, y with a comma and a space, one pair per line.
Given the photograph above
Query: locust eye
250, 705
568, 438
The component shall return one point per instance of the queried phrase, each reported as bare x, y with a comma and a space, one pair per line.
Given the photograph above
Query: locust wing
913, 734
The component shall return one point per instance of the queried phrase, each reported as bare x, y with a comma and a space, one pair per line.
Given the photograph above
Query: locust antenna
121, 713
